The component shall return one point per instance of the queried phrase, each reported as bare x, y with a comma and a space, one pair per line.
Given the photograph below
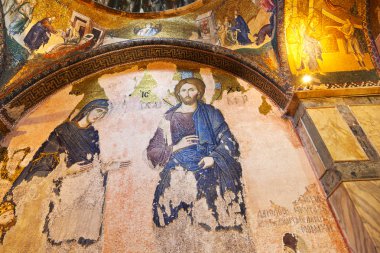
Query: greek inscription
233, 89
150, 105
272, 213
309, 215
307, 209
145, 94
316, 228
237, 100
312, 199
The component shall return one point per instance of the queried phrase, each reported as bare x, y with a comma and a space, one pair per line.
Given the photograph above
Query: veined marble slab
346, 206
369, 119
336, 134
365, 195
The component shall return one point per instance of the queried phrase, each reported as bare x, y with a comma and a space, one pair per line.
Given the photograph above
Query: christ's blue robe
216, 141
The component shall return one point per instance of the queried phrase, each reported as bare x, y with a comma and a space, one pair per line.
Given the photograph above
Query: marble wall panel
357, 211
319, 167
336, 134
365, 195
369, 119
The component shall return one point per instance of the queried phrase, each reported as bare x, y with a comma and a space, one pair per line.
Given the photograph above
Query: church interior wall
280, 153
282, 196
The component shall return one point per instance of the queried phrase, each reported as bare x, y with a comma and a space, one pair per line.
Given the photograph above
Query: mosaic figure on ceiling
172, 4
271, 7
22, 17
76, 204
242, 30
145, 5
312, 49
116, 4
201, 174
225, 33
39, 34
353, 46
148, 30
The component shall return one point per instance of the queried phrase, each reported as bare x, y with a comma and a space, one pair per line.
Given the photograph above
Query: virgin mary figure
76, 207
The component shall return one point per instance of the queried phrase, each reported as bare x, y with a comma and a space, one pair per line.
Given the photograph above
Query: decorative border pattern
2, 38
370, 38
73, 68
29, 92
285, 72
353, 85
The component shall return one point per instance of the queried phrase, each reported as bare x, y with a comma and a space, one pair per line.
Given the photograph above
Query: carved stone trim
316, 138
286, 74
5, 124
331, 181
364, 84
349, 171
358, 132
312, 152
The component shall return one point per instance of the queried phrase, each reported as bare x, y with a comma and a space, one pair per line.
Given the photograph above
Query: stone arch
29, 91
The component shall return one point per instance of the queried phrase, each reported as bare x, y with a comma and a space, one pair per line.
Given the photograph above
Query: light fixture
307, 79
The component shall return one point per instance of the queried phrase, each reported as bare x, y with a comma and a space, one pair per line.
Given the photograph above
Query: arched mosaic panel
160, 156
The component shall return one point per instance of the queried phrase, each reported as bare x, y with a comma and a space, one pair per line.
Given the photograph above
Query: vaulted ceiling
281, 47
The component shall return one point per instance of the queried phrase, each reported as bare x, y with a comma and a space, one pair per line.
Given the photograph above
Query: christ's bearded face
188, 94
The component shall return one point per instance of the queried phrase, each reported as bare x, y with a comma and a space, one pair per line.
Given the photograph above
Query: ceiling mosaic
299, 45
144, 6
329, 40
374, 28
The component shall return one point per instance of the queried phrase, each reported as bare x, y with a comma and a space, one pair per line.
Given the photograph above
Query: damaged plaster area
196, 229
184, 190
182, 236
62, 212
76, 211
